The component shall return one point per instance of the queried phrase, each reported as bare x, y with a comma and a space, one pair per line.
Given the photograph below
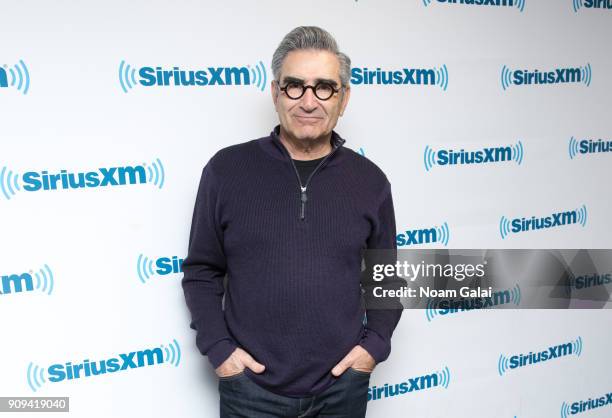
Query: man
286, 217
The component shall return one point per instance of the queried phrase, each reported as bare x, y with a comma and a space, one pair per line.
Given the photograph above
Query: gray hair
310, 37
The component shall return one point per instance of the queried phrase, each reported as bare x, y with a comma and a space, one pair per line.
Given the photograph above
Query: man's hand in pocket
237, 362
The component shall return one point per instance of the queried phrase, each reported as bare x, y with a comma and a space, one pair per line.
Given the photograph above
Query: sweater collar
273, 146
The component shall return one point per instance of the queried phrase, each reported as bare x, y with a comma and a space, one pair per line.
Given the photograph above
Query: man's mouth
308, 119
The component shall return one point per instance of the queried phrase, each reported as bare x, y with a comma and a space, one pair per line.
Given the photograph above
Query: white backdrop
65, 105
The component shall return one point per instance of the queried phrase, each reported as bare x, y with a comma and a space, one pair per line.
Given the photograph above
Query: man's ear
274, 91
345, 99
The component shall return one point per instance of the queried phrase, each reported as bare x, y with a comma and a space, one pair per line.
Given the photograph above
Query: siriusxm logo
17, 77
443, 307
576, 216
588, 146
587, 281
450, 157
59, 372
129, 77
578, 75
439, 234
504, 364
163, 266
519, 4
413, 384
583, 406
24, 282
407, 76
592, 4
33, 181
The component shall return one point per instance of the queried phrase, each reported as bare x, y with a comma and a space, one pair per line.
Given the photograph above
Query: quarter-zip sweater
292, 254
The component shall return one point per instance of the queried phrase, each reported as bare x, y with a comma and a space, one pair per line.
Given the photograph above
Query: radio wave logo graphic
506, 77
515, 295
572, 148
9, 183
35, 376
565, 410
444, 377
172, 353
520, 4
156, 173
258, 75
44, 279
144, 267
518, 152
127, 76
502, 364
577, 5
429, 158
443, 234
20, 77
431, 310
586, 74
504, 227
582, 215
577, 346
441, 77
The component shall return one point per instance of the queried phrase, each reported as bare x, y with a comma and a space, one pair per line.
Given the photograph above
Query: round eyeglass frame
314, 90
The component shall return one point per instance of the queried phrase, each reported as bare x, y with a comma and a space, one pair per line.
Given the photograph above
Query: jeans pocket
232, 377
359, 372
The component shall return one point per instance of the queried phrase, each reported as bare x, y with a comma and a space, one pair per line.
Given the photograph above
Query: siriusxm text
589, 404
403, 76
447, 306
411, 385
554, 220
167, 265
103, 177
508, 3
213, 76
591, 147
553, 352
135, 359
486, 155
417, 236
557, 76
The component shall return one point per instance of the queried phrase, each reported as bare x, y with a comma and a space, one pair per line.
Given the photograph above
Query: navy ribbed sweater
292, 259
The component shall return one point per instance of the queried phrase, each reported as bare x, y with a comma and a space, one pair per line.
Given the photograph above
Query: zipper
303, 189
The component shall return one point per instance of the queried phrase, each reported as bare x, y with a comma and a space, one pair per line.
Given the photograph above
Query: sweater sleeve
204, 269
380, 323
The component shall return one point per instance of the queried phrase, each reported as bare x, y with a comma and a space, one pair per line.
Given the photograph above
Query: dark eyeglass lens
294, 90
324, 91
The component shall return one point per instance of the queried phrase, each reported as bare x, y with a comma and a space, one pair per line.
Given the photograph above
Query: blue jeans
346, 398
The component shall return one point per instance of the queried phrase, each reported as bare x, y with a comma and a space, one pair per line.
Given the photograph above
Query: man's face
309, 118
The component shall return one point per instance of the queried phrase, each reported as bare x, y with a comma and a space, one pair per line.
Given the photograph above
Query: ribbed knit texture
293, 293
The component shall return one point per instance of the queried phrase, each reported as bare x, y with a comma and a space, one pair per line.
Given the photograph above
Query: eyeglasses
322, 90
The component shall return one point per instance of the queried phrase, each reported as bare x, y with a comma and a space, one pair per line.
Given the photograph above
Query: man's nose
309, 101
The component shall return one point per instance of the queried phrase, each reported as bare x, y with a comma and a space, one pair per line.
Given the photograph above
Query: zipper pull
303, 199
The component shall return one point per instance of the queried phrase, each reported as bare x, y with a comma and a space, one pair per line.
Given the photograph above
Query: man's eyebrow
327, 80
291, 79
